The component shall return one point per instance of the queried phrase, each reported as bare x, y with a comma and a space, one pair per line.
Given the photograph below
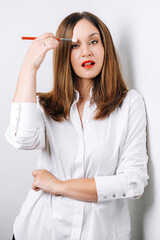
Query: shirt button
114, 196
105, 196
123, 195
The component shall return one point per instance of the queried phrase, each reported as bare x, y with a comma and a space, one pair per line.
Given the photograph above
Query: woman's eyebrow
92, 34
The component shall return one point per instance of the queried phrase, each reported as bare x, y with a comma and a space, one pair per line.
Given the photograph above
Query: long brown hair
109, 88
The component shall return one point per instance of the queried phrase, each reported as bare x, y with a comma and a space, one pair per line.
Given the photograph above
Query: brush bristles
67, 39
74, 40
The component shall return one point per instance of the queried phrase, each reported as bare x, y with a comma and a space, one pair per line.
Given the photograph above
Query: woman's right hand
26, 85
38, 49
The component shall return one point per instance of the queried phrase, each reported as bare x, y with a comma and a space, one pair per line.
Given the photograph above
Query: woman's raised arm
26, 85
27, 125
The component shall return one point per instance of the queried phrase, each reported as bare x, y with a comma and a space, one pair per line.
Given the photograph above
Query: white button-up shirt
112, 150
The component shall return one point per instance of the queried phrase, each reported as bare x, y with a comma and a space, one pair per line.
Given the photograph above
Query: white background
135, 28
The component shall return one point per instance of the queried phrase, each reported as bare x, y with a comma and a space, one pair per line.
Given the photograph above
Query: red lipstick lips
88, 64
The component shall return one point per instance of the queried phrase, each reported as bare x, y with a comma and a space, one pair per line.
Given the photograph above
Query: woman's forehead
84, 28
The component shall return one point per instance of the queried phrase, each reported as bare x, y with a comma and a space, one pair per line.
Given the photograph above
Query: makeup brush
59, 39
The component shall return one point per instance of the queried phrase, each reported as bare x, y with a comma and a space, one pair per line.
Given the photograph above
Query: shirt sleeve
131, 174
27, 126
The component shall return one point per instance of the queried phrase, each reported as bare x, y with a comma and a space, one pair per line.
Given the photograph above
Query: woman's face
88, 53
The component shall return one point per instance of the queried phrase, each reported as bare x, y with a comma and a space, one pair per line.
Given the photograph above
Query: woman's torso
75, 152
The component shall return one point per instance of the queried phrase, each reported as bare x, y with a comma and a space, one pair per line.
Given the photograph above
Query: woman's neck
83, 86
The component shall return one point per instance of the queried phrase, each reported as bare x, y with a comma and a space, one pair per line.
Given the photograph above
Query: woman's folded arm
131, 175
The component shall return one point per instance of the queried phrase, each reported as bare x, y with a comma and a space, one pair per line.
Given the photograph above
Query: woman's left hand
44, 180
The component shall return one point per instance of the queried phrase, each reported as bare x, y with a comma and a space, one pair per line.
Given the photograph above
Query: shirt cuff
23, 116
110, 187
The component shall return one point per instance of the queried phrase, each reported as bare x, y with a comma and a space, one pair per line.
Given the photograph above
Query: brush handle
33, 38
58, 39
28, 38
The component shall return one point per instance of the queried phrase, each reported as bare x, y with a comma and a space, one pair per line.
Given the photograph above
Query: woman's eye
93, 42
74, 46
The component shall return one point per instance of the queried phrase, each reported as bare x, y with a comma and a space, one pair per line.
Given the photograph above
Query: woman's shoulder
133, 95
134, 100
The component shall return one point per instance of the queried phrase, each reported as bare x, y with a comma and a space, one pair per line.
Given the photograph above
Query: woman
92, 132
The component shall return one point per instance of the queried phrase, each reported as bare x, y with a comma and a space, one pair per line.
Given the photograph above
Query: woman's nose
85, 52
